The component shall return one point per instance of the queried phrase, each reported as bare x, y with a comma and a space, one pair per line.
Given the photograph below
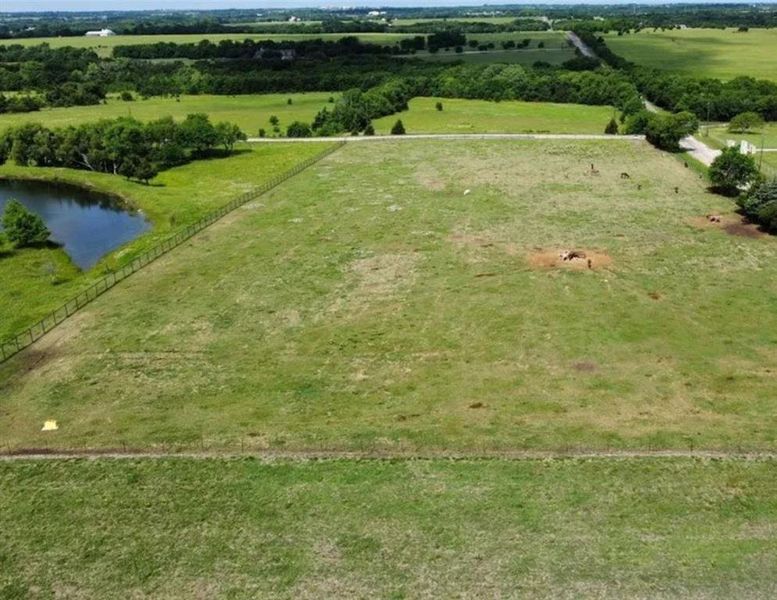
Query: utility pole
761, 159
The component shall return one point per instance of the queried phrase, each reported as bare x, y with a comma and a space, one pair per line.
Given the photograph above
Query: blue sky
75, 5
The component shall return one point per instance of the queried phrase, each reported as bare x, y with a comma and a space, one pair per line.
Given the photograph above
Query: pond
88, 225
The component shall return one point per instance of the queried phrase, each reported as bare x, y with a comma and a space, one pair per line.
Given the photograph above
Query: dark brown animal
625, 175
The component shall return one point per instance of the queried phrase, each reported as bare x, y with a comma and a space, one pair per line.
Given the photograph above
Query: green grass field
371, 303
37, 281
238, 529
720, 134
250, 112
721, 53
481, 116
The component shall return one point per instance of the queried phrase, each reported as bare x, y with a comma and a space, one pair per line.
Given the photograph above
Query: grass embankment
250, 112
482, 116
370, 303
721, 53
36, 281
182, 528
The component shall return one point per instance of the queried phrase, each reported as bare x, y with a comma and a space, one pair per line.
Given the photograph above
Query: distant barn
100, 33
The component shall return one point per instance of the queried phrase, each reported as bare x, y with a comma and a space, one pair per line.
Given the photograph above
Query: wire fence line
28, 336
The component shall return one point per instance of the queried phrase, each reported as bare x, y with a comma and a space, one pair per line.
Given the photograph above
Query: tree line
121, 146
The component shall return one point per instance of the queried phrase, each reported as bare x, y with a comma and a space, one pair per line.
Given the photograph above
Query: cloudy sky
74, 5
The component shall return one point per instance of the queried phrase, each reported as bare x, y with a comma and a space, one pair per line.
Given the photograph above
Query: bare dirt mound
567, 259
731, 223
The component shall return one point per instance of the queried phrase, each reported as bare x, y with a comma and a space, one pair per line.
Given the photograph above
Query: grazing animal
713, 218
571, 254
639, 186
677, 190
590, 264
625, 175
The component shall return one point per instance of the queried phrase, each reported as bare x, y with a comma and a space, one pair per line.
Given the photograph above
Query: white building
100, 33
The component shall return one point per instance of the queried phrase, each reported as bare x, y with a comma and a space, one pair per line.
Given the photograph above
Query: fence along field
57, 316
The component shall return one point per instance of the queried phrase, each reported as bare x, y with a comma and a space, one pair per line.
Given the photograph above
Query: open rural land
412, 302
724, 53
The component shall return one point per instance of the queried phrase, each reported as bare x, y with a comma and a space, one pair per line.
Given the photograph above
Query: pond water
87, 224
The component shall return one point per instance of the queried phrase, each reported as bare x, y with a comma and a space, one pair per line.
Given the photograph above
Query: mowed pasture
409, 295
250, 112
483, 116
183, 528
38, 280
720, 53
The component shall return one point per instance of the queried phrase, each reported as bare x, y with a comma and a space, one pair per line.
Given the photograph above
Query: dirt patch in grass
731, 223
554, 259
584, 366
375, 278
429, 178
483, 240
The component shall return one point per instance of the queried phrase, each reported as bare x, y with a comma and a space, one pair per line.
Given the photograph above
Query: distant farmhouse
100, 33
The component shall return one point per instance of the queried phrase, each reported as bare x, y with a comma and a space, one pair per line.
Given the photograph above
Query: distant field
556, 49
495, 20
104, 46
721, 53
250, 112
36, 281
554, 41
182, 528
482, 116
371, 303
720, 134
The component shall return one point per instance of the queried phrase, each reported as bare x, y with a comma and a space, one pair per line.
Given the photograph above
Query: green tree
398, 128
369, 130
663, 130
438, 106
229, 134
298, 129
746, 121
198, 133
732, 170
612, 127
274, 120
23, 228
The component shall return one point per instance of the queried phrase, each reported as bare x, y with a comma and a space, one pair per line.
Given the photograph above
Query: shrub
732, 170
23, 228
298, 129
262, 132
612, 127
438, 106
398, 128
127, 96
369, 130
